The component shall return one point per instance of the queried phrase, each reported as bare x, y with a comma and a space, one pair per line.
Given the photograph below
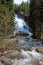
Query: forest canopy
23, 7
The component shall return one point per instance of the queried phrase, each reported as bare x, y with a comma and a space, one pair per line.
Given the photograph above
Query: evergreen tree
24, 8
36, 17
6, 18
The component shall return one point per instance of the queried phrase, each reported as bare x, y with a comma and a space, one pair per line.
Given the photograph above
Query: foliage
2, 41
23, 7
15, 7
6, 18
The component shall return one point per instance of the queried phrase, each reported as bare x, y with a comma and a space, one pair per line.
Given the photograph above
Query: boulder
1, 54
7, 63
1, 63
39, 49
21, 33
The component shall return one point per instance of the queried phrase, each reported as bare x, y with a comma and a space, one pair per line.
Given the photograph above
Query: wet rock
5, 53
41, 61
30, 61
7, 63
4, 59
11, 43
38, 49
33, 61
1, 54
27, 48
3, 48
1, 63
12, 54
17, 33
17, 48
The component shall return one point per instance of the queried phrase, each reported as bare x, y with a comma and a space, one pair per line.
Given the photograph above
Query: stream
22, 26
22, 50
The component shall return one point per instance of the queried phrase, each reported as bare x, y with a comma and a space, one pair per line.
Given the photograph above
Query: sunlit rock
39, 49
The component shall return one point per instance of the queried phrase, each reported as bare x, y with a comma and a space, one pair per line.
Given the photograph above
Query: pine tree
36, 17
6, 18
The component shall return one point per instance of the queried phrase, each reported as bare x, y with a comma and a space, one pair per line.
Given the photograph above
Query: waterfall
21, 25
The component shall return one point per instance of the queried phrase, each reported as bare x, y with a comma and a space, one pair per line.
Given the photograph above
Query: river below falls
22, 52
22, 57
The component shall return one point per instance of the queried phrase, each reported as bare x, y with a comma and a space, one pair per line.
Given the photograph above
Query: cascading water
20, 25
29, 58
26, 57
